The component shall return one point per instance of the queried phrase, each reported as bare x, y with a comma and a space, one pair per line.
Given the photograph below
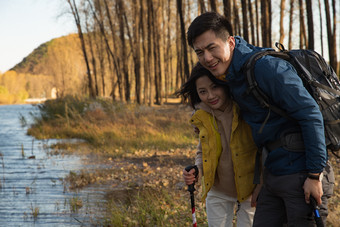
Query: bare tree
236, 20
120, 11
335, 58
282, 15
135, 47
227, 9
156, 54
201, 5
331, 34
291, 14
251, 18
265, 23
150, 51
143, 24
245, 20
257, 22
310, 24
183, 38
302, 26
92, 38
74, 10
321, 28
213, 5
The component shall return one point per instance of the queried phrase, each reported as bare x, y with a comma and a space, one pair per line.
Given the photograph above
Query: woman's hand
255, 194
189, 177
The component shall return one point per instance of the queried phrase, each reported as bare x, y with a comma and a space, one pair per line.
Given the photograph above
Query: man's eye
199, 53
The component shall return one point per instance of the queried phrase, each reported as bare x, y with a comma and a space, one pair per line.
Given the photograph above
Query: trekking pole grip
191, 187
317, 217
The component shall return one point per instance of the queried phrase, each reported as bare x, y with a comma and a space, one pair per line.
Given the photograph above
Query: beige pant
220, 210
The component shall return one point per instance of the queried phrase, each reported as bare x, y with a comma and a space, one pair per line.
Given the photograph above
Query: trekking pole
317, 217
191, 189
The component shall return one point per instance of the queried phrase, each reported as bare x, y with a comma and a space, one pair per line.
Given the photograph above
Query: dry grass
334, 201
111, 126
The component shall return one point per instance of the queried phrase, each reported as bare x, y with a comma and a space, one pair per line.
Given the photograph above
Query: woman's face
211, 94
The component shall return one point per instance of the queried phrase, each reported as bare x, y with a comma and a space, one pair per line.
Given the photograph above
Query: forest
136, 51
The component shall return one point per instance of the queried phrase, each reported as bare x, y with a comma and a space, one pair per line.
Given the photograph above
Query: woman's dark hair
209, 21
188, 90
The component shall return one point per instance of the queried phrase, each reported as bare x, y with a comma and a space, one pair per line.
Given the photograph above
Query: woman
226, 151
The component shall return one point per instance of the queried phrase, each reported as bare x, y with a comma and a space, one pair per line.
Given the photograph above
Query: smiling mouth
214, 102
213, 65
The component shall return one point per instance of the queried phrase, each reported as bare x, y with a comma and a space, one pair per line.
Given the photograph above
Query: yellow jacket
242, 147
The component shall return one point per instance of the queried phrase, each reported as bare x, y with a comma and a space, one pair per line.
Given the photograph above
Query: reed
34, 212
22, 151
75, 204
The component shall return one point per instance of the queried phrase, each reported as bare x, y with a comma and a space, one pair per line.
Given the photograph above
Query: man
290, 177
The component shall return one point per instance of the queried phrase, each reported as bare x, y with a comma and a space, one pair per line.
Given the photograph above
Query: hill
54, 68
36, 63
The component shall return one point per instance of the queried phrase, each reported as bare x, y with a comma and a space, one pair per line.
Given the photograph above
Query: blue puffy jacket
279, 80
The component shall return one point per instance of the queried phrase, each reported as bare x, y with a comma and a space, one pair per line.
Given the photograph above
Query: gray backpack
318, 78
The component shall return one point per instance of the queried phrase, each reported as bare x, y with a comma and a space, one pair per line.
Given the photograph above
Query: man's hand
313, 188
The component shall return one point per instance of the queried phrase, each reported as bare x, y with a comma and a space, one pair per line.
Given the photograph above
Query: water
32, 192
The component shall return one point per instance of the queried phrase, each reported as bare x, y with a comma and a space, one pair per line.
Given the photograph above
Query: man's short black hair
209, 21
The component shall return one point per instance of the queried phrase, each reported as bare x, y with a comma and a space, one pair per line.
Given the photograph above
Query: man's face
214, 53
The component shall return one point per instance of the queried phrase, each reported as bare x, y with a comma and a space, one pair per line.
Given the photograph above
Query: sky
25, 24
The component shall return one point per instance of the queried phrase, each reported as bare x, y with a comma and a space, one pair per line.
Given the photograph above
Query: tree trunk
137, 56
302, 26
257, 23
135, 47
75, 13
321, 28
91, 38
331, 35
251, 18
156, 55
115, 59
291, 14
227, 9
150, 51
282, 15
245, 20
145, 52
264, 23
183, 38
213, 5
201, 5
310, 24
120, 10
237, 27
334, 63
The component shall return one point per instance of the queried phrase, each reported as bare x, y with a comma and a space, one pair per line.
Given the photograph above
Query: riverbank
138, 153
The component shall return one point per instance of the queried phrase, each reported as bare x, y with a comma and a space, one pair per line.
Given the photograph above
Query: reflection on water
32, 192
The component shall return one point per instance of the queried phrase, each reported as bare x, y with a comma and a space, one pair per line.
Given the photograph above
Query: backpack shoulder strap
253, 88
